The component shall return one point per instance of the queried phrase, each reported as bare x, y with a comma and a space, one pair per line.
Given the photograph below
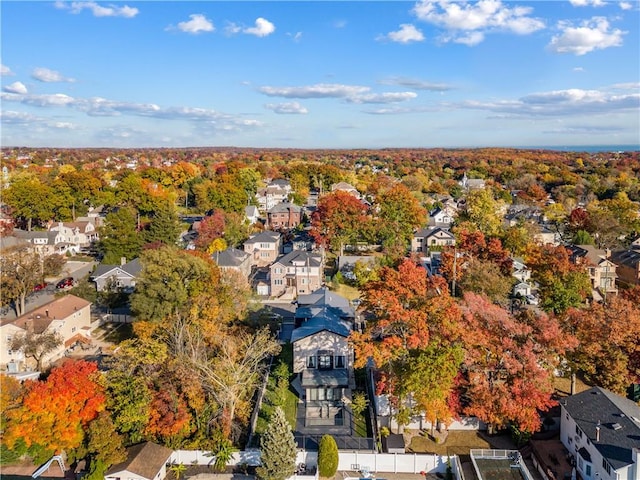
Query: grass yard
346, 291
458, 442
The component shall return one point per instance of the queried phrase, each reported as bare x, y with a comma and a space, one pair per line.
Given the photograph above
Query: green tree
119, 237
483, 211
165, 225
484, 276
278, 449
169, 281
30, 199
20, 271
128, 400
327, 457
105, 445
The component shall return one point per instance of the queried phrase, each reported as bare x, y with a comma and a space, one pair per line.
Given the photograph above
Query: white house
435, 238
77, 234
601, 430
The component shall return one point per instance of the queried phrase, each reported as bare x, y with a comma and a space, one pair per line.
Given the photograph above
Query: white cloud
5, 71
16, 87
625, 5
468, 23
387, 97
320, 90
263, 27
98, 10
417, 84
198, 23
16, 118
295, 36
232, 28
564, 103
578, 69
593, 34
586, 3
287, 108
45, 75
408, 33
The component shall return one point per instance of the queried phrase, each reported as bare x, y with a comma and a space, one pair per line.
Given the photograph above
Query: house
284, 216
298, 272
602, 271
628, 265
346, 187
78, 234
70, 316
121, 276
44, 243
233, 260
522, 289
433, 238
442, 216
275, 192
601, 430
252, 214
145, 461
322, 357
264, 247
546, 236
520, 270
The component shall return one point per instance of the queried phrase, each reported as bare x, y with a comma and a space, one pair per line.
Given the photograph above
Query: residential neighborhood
458, 317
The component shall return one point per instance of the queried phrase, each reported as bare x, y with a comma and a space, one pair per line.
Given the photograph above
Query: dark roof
301, 258
324, 320
395, 440
133, 268
428, 232
321, 298
266, 236
312, 377
285, 207
628, 258
144, 459
599, 405
231, 257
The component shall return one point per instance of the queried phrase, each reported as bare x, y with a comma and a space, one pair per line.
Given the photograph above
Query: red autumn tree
168, 414
338, 220
54, 413
411, 339
508, 364
211, 227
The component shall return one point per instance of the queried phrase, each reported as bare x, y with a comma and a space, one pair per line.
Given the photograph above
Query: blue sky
319, 74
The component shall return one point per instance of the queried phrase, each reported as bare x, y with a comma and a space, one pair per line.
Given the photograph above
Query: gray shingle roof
599, 405
266, 236
144, 459
231, 257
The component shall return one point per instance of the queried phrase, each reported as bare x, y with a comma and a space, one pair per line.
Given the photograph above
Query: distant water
588, 148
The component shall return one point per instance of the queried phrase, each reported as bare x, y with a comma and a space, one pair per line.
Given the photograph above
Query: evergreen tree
165, 225
327, 457
278, 449
119, 236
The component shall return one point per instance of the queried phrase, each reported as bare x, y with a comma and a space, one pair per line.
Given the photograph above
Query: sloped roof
300, 257
323, 321
628, 258
266, 236
599, 405
144, 459
132, 268
231, 257
285, 207
58, 309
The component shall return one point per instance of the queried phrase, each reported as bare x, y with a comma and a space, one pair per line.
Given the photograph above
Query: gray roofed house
296, 273
433, 238
628, 263
121, 276
602, 430
233, 259
264, 247
285, 215
145, 461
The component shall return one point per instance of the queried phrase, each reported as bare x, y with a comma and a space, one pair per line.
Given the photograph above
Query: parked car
65, 283
40, 286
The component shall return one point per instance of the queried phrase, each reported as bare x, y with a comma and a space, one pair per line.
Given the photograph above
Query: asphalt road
75, 269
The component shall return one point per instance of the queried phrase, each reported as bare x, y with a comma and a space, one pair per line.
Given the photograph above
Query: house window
277, 281
264, 254
73, 329
606, 466
339, 361
311, 362
588, 470
277, 270
325, 360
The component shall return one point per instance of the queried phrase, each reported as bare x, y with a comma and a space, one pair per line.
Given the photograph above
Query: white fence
348, 461
513, 456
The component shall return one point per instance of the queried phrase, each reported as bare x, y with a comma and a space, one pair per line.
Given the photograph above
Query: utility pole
455, 261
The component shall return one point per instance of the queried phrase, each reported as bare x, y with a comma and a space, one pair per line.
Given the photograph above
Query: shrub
327, 456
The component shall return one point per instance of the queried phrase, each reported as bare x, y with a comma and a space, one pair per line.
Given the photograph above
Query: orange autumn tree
54, 413
509, 362
412, 338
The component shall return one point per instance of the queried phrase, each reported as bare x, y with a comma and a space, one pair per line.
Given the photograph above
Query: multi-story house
264, 247
601, 430
233, 260
435, 238
275, 192
628, 263
296, 273
602, 271
123, 276
44, 243
323, 358
443, 216
284, 216
69, 316
79, 235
